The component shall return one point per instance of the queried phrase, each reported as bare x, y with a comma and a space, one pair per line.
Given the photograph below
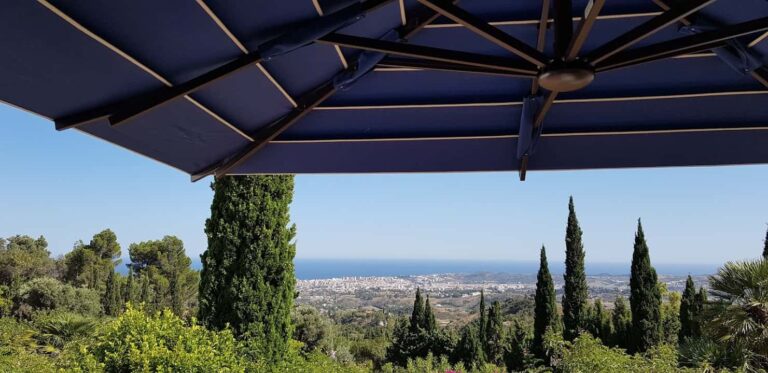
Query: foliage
311, 329
765, 245
89, 265
247, 279
434, 364
16, 337
483, 315
517, 356
621, 319
55, 330
23, 258
645, 297
545, 314
48, 294
575, 287
417, 314
495, 337
670, 315
739, 314
294, 361
136, 341
599, 322
18, 347
707, 354
112, 300
587, 354
688, 313
164, 266
469, 351
429, 321
417, 336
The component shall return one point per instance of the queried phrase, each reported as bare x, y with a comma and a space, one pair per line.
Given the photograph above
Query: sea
309, 269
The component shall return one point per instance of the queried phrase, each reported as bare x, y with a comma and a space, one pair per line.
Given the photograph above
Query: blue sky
68, 186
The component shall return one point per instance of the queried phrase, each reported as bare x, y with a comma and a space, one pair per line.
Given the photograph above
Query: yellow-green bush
162, 342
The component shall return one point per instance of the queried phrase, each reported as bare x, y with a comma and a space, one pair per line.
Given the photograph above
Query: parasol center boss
566, 76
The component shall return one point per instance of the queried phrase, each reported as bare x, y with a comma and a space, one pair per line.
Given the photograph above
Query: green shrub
15, 337
26, 362
587, 354
55, 330
17, 346
137, 342
315, 362
48, 294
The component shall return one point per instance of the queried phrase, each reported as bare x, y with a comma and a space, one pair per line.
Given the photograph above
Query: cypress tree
470, 350
699, 303
545, 311
483, 318
687, 310
128, 293
146, 290
515, 358
575, 288
430, 324
645, 297
765, 245
247, 280
601, 322
622, 323
111, 298
417, 315
494, 335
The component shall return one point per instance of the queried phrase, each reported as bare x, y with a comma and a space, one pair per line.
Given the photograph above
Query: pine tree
545, 311
575, 288
687, 310
622, 323
483, 317
430, 324
645, 297
247, 281
417, 315
494, 335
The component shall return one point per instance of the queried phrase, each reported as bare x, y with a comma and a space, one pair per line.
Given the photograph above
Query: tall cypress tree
494, 335
483, 315
145, 296
470, 349
575, 288
111, 298
417, 315
622, 323
687, 310
765, 245
545, 312
128, 293
699, 303
645, 297
430, 324
247, 280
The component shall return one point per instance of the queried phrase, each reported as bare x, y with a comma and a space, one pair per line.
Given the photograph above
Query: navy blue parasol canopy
217, 87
